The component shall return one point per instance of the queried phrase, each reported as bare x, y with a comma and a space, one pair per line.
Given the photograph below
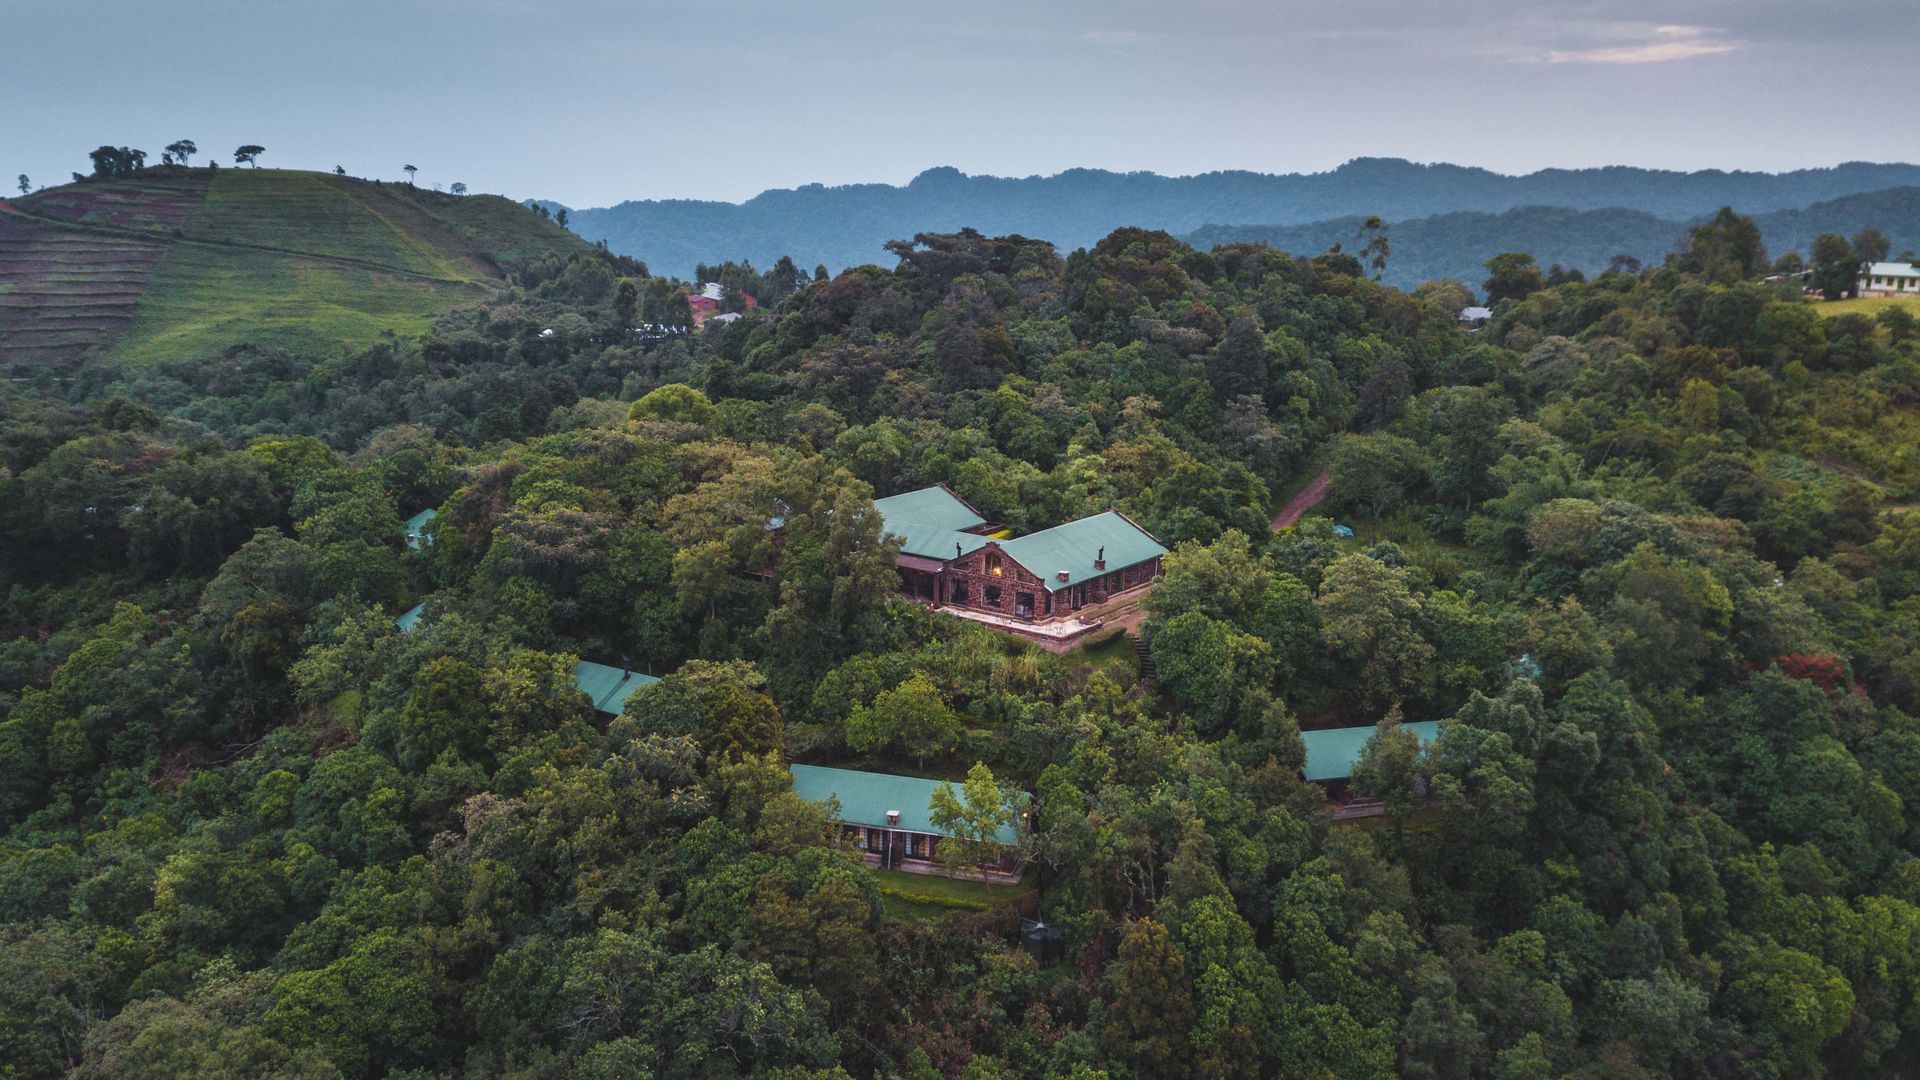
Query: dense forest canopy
1455, 245
1640, 547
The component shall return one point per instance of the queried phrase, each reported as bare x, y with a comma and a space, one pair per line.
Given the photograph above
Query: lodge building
888, 819
1052, 581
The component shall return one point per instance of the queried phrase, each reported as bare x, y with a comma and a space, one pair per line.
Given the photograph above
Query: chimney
957, 553
1100, 560
893, 819
1065, 575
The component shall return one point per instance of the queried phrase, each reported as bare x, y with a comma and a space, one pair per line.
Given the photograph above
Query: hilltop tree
1725, 249
1836, 272
560, 217
248, 155
1374, 248
26, 185
459, 188
117, 162
1512, 276
409, 170
183, 150
1870, 245
339, 170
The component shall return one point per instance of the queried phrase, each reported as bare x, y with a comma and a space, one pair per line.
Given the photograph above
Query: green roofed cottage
410, 618
416, 528
609, 687
889, 819
1332, 754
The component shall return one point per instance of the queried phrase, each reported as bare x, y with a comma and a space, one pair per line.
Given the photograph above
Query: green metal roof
609, 687
865, 798
934, 506
1073, 547
1333, 752
418, 522
410, 618
929, 523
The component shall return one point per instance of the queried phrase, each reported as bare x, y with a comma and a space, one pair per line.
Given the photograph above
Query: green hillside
179, 263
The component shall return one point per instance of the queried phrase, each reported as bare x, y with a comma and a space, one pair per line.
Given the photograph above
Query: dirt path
1304, 500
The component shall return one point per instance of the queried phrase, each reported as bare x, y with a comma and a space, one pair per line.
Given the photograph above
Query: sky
590, 102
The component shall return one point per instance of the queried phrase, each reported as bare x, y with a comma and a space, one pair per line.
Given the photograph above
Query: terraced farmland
65, 293
183, 263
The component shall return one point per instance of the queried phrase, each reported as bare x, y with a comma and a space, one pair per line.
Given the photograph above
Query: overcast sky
593, 101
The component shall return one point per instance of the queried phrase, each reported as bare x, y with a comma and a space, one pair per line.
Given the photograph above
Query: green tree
972, 818
1150, 1010
1371, 619
912, 717
409, 170
1512, 276
1390, 767
183, 150
1836, 270
1373, 472
249, 155
675, 402
1725, 248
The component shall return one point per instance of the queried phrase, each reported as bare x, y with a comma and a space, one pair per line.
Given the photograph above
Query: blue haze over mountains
1446, 219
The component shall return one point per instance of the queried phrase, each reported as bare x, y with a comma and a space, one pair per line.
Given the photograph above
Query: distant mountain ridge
1455, 245
844, 226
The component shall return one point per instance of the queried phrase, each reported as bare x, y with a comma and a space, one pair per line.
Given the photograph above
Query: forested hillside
848, 226
1456, 245
1641, 547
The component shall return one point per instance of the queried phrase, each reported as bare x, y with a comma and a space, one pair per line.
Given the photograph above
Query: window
959, 592
992, 594
994, 565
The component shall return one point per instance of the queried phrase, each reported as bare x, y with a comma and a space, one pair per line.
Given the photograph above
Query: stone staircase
1148, 672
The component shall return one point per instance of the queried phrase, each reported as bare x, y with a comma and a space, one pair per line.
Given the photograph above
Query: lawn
1114, 650
1866, 305
927, 897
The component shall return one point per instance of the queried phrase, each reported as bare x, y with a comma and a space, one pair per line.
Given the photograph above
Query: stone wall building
953, 558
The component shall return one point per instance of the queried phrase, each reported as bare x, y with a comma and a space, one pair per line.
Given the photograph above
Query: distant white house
1891, 279
1473, 318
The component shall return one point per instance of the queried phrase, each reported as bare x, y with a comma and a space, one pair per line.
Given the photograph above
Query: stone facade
989, 580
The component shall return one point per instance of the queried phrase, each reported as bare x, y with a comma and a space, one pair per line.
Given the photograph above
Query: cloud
1659, 45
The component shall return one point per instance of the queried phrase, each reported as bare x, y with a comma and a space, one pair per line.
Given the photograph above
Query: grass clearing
1114, 650
1866, 305
203, 300
926, 897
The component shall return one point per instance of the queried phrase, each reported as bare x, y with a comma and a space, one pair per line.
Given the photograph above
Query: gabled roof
930, 523
1333, 752
1075, 546
1893, 269
609, 687
935, 506
410, 618
865, 798
418, 522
